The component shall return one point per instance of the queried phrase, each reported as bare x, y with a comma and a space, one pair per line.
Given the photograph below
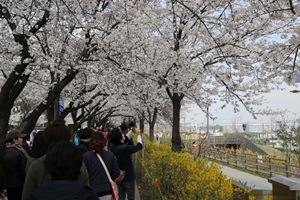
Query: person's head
132, 125
39, 145
15, 136
59, 121
85, 134
27, 137
123, 127
98, 142
63, 161
57, 132
116, 136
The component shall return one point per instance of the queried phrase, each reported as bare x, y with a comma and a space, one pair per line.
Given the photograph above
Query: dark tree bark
88, 115
76, 119
73, 109
142, 123
152, 120
89, 122
50, 114
29, 123
104, 116
176, 103
53, 109
8, 94
17, 80
176, 139
102, 122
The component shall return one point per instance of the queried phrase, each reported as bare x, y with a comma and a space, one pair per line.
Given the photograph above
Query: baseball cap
14, 134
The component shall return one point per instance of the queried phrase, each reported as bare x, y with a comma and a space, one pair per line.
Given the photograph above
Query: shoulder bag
114, 195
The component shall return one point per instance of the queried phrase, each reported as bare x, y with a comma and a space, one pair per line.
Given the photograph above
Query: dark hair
132, 124
57, 132
63, 161
115, 136
39, 145
10, 140
123, 127
86, 133
27, 135
58, 121
98, 142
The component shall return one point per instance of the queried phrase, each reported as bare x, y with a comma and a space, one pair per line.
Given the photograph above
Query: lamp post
213, 131
184, 124
295, 91
207, 126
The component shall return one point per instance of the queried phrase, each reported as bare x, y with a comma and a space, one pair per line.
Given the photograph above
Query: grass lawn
270, 150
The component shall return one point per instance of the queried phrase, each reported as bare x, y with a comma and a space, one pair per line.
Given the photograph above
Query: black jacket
63, 190
83, 147
97, 176
123, 154
14, 167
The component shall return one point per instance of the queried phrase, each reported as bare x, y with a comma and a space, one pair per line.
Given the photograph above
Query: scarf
19, 147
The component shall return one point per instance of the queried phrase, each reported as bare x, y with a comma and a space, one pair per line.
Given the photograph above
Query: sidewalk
244, 179
137, 194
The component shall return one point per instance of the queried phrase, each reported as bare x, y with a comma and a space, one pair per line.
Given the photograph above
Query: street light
207, 127
213, 127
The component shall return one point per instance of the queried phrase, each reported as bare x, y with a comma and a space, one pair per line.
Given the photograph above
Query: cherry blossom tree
233, 51
15, 57
147, 100
50, 42
56, 36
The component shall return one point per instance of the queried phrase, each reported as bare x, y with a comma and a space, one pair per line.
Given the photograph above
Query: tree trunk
142, 123
56, 108
3, 129
50, 114
176, 139
152, 121
17, 80
8, 94
29, 123
89, 122
104, 122
93, 122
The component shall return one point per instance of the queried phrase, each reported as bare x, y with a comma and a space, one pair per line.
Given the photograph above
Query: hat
14, 134
85, 134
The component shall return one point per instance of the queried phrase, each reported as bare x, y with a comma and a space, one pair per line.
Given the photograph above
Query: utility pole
213, 125
207, 127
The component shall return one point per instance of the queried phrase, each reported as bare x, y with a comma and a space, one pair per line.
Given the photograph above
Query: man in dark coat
123, 152
15, 158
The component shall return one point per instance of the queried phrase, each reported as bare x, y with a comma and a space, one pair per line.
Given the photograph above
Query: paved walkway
137, 194
259, 185
249, 180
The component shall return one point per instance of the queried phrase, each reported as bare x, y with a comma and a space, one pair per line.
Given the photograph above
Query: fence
265, 165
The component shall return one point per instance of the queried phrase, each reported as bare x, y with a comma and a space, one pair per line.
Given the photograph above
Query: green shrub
170, 175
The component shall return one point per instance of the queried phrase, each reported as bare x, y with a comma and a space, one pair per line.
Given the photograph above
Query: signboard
61, 105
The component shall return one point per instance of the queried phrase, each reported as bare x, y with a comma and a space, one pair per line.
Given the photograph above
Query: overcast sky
282, 100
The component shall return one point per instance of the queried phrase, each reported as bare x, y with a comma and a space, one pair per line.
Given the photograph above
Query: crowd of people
57, 168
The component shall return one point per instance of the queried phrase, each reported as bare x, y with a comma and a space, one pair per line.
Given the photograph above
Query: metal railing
265, 165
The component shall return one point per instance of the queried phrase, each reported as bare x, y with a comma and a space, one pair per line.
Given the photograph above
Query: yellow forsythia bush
169, 175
